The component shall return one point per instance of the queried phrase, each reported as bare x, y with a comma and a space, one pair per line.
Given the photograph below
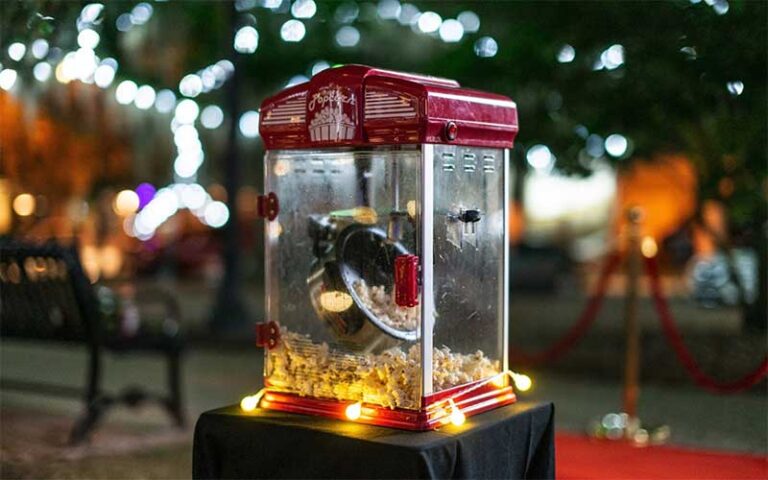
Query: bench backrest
45, 294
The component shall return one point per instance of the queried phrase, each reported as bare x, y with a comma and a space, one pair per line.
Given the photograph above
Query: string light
251, 402
457, 416
354, 411
523, 383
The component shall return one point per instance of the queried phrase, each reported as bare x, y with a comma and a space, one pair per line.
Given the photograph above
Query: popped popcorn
390, 378
376, 299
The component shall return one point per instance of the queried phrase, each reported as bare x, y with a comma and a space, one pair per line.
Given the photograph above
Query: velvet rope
683, 354
584, 321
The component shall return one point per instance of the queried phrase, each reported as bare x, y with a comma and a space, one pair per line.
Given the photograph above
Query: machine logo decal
332, 114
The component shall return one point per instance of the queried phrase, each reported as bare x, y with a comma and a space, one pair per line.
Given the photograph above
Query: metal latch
267, 335
406, 280
268, 206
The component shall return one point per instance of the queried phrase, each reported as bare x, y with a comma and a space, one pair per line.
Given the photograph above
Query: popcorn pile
390, 378
380, 303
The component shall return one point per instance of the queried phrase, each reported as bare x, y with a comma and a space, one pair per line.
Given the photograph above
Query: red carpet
581, 457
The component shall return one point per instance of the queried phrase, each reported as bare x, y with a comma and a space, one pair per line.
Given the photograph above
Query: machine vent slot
318, 171
336, 171
300, 170
470, 163
489, 164
449, 160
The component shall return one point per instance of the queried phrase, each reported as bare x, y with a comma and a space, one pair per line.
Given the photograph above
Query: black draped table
516, 441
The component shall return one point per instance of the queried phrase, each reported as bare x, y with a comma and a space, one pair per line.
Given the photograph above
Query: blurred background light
104, 75
16, 51
126, 92
24, 204
451, 31
486, 47
123, 22
292, 31
165, 101
347, 36
145, 97
40, 48
612, 57
566, 54
295, 80
735, 88
42, 71
347, 12
216, 214
616, 145
388, 9
429, 22
319, 66
141, 13
211, 117
540, 158
303, 9
191, 85
246, 40
249, 124
88, 39
409, 14
470, 21
187, 111
126, 202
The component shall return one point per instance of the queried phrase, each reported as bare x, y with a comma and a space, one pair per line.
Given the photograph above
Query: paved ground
141, 444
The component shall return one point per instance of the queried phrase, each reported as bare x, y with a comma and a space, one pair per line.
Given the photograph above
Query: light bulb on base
354, 411
522, 382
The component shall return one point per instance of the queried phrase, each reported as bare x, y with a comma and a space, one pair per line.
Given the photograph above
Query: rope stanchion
683, 354
584, 321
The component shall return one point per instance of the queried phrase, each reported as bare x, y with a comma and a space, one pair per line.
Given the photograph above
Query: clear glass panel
344, 218
468, 264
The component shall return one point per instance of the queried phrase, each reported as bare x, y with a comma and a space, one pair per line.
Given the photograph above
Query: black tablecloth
516, 441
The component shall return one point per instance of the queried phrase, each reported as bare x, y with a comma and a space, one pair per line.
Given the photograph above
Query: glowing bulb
249, 403
354, 411
457, 417
649, 247
522, 382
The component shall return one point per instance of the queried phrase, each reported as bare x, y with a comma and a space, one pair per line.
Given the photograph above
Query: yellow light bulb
24, 205
354, 411
457, 417
248, 404
522, 382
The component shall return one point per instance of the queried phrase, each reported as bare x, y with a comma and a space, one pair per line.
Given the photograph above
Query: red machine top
355, 105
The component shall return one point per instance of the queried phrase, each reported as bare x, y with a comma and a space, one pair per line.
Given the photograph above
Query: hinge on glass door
268, 206
406, 280
267, 335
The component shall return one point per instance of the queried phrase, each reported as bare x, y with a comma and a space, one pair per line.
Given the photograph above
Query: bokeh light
246, 40
249, 124
211, 117
616, 145
486, 47
293, 31
126, 92
24, 204
429, 22
451, 31
347, 36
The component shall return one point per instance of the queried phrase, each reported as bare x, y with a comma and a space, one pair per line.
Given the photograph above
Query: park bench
45, 295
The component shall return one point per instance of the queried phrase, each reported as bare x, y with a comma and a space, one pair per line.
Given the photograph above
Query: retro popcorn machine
385, 212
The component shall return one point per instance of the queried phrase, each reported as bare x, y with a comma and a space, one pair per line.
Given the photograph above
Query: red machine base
469, 399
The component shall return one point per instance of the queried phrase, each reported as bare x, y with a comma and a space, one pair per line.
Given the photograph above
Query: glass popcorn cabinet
385, 212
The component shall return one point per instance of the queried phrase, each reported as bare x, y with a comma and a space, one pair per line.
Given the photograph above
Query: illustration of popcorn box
331, 125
